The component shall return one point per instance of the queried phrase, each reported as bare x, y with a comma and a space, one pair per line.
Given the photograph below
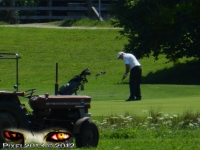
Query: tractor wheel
12, 116
7, 120
88, 135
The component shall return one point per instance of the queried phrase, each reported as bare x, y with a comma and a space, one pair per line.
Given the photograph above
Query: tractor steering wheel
29, 93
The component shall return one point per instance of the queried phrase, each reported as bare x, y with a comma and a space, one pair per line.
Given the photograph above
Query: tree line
155, 27
6, 16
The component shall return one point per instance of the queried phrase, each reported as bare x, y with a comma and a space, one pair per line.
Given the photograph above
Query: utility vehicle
48, 111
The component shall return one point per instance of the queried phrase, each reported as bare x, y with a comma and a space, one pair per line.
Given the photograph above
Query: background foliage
155, 27
6, 16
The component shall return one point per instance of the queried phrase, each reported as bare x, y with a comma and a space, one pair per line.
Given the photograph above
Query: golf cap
119, 54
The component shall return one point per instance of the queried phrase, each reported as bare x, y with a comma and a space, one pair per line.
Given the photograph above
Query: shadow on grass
3, 23
185, 73
68, 23
85, 22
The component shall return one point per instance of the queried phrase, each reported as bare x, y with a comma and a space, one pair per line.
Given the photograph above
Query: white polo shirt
131, 60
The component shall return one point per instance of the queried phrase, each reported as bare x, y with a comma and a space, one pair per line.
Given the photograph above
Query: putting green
169, 106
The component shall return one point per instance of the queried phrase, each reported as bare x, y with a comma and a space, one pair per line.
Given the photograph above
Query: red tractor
68, 112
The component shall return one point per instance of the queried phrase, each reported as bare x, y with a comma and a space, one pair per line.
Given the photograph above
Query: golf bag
73, 85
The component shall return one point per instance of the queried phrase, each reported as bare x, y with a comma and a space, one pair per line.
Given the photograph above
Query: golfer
133, 66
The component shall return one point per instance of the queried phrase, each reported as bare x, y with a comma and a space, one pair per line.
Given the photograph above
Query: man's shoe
138, 99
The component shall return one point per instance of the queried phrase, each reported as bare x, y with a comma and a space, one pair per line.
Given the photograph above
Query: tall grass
155, 130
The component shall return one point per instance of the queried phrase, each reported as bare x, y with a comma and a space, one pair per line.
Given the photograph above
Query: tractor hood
59, 102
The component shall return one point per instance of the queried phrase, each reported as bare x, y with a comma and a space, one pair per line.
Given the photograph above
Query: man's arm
127, 66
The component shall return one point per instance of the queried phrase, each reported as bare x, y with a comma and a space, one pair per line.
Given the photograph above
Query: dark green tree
3, 13
154, 27
8, 16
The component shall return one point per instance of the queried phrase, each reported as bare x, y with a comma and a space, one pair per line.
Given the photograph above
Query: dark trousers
134, 83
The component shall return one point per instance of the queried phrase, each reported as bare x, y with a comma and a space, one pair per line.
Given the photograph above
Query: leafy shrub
155, 124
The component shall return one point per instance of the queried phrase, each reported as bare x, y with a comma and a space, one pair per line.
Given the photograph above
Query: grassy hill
77, 49
73, 50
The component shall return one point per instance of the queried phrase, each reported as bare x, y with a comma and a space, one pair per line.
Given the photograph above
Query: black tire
12, 116
13, 111
88, 135
7, 120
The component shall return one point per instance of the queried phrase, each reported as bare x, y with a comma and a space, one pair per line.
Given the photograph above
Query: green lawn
149, 144
75, 50
165, 88
172, 99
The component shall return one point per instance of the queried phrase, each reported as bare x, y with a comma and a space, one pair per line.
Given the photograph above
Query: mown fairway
75, 50
168, 89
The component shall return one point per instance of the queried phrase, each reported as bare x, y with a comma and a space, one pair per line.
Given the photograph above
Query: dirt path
41, 25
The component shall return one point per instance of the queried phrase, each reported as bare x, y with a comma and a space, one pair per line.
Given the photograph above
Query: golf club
95, 77
116, 89
98, 74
